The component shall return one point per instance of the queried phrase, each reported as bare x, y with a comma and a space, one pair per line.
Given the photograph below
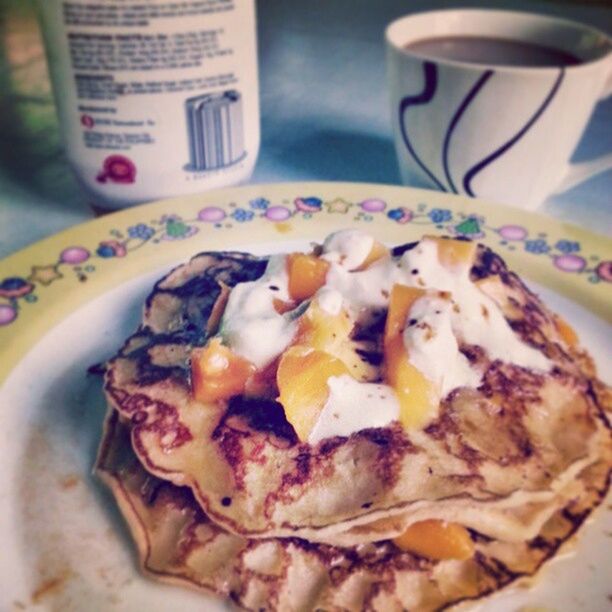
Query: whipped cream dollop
474, 317
347, 248
433, 348
250, 325
352, 406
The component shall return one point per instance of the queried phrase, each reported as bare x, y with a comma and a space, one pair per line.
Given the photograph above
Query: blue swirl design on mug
480, 83
430, 71
472, 172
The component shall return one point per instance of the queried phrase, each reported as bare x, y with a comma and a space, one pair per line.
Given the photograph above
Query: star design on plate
44, 275
338, 206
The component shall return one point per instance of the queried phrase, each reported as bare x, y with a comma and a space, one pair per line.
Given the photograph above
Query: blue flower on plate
105, 251
242, 215
142, 231
567, 246
259, 203
15, 287
395, 214
536, 246
440, 215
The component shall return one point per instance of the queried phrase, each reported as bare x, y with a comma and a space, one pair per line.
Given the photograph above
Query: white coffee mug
505, 133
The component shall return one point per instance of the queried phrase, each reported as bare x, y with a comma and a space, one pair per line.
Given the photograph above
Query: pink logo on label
87, 121
117, 169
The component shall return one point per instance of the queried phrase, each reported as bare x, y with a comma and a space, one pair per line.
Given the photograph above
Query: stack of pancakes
226, 498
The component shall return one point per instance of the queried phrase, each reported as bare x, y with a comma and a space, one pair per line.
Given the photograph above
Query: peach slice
302, 378
401, 301
321, 330
306, 275
378, 251
455, 254
437, 540
217, 373
416, 394
418, 398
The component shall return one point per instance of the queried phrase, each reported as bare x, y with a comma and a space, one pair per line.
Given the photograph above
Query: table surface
319, 122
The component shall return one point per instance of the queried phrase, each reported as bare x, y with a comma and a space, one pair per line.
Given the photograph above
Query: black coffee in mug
493, 51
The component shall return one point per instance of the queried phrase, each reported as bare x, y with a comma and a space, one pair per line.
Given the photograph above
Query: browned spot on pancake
445, 429
473, 353
393, 446
514, 384
300, 473
487, 263
230, 445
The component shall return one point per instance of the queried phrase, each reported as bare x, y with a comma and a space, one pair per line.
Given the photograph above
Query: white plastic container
155, 98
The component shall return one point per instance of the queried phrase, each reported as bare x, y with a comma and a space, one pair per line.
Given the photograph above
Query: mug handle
582, 171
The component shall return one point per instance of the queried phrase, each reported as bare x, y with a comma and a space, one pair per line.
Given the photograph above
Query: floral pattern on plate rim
564, 254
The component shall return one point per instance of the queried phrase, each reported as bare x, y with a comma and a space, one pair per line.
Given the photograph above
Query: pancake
501, 458
179, 544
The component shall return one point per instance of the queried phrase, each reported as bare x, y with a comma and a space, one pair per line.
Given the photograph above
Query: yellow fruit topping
455, 254
321, 330
302, 378
306, 275
437, 540
378, 251
417, 396
401, 301
217, 373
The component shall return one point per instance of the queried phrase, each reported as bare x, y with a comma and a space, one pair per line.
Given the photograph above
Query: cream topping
475, 318
353, 406
433, 348
250, 324
368, 289
347, 248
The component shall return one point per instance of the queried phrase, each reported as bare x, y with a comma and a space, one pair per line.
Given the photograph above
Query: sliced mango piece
418, 397
217, 373
437, 540
455, 254
566, 331
378, 251
321, 330
306, 275
400, 302
302, 378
